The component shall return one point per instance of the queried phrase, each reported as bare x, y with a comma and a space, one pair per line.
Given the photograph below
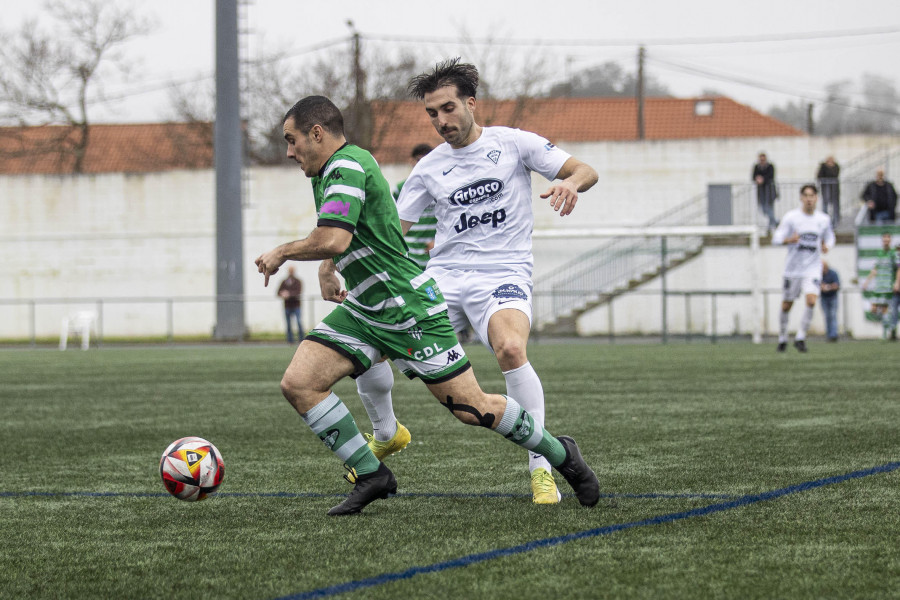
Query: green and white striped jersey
421, 234
886, 265
386, 289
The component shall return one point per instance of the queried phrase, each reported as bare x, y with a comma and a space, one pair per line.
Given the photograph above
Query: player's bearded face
451, 117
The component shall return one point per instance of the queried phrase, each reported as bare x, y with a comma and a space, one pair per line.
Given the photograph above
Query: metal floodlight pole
228, 161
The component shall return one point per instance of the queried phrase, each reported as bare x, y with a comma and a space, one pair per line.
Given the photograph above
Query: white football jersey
482, 198
804, 258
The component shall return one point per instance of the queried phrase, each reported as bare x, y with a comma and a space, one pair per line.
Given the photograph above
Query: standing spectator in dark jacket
829, 172
766, 192
290, 291
881, 198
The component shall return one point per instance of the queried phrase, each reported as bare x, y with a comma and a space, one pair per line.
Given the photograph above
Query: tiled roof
398, 126
135, 148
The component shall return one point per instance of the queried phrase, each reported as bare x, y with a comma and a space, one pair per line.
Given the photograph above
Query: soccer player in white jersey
808, 234
479, 184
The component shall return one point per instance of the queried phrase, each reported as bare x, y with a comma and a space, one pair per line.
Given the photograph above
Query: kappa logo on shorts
452, 357
509, 292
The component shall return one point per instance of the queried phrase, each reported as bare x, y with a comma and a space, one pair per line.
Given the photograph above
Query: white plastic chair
81, 323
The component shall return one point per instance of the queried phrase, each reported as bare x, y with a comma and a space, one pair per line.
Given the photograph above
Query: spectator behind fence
766, 191
290, 290
830, 187
881, 199
831, 283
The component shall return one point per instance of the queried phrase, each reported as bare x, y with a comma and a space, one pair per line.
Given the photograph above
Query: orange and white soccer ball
191, 469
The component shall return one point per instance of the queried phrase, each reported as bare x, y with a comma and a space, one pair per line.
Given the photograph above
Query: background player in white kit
479, 183
808, 234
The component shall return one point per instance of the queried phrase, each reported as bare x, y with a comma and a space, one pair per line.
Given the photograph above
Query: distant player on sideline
885, 293
390, 309
479, 183
808, 234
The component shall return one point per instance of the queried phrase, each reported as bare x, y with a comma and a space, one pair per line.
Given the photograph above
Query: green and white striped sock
333, 423
520, 428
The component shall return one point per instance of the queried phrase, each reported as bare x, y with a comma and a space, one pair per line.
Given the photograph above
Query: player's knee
511, 354
292, 388
379, 379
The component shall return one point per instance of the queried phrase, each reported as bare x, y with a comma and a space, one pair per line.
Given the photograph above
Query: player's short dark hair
316, 110
449, 72
420, 150
809, 186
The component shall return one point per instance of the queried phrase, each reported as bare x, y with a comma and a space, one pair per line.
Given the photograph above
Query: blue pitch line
472, 559
650, 496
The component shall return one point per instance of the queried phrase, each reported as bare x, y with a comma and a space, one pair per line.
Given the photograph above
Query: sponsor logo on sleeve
335, 207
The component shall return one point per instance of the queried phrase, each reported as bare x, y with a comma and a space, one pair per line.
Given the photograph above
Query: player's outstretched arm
322, 243
576, 177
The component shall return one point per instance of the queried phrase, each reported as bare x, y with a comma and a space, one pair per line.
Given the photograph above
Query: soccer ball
191, 469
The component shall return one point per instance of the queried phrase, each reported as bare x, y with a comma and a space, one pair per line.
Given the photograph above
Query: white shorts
474, 296
794, 286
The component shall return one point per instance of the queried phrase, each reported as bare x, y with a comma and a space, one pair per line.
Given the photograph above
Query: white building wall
143, 245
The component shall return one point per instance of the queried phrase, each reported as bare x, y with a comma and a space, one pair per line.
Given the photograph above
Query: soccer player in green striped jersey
390, 309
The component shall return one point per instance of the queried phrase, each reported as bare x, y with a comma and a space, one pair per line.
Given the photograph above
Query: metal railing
615, 264
710, 314
720, 314
162, 318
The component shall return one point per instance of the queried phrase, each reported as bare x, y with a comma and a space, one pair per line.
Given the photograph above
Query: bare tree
51, 76
276, 81
839, 114
608, 79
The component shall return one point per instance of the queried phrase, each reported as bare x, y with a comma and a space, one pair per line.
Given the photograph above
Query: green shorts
428, 350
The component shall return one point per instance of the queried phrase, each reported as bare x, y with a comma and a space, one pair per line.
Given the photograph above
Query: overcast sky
578, 33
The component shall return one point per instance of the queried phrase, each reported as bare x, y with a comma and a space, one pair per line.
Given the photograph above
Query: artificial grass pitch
668, 429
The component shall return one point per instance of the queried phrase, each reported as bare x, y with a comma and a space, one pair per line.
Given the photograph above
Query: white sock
374, 387
804, 323
524, 385
782, 327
